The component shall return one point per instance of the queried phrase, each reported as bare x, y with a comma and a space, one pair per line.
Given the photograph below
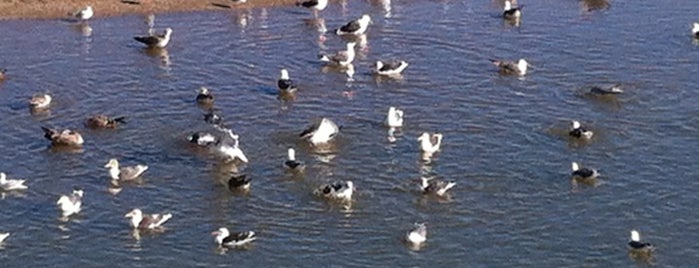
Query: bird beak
215, 233
128, 215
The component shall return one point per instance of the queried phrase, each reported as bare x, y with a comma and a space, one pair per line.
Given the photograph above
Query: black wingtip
121, 119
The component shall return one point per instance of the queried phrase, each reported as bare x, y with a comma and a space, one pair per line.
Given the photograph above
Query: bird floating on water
285, 84
124, 173
156, 41
66, 137
204, 96
103, 121
291, 162
11, 184
429, 144
84, 14
613, 90
230, 151
202, 138
321, 132
40, 101
146, 221
390, 68
223, 237
512, 68
394, 118
340, 190
695, 29
315, 5
355, 27
635, 243
511, 12
239, 183
577, 131
417, 235
341, 58
583, 173
434, 186
70, 204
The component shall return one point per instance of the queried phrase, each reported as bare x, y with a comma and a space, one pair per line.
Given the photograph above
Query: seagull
84, 14
239, 183
124, 173
510, 67
231, 152
432, 186
636, 244
340, 190
341, 58
291, 162
355, 27
695, 29
3, 236
103, 121
511, 12
225, 238
202, 138
205, 97
613, 90
315, 5
394, 118
70, 204
429, 144
417, 235
285, 84
155, 41
390, 67
577, 131
321, 132
11, 184
40, 101
149, 222
66, 137
583, 173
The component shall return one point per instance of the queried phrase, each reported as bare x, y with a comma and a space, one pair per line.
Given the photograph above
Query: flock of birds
226, 144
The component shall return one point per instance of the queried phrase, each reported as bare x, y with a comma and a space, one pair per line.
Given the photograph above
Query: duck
613, 90
223, 237
390, 68
204, 96
65, 137
4, 236
512, 68
285, 84
40, 101
124, 173
429, 144
11, 184
695, 29
635, 243
84, 14
510, 12
202, 138
341, 58
315, 5
291, 162
155, 41
239, 183
320, 133
417, 235
340, 190
355, 27
103, 121
577, 131
583, 173
147, 221
394, 119
433, 186
70, 204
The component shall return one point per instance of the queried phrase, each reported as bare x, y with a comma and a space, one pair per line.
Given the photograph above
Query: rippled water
505, 143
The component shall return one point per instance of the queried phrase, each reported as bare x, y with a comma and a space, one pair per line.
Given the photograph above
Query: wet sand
56, 9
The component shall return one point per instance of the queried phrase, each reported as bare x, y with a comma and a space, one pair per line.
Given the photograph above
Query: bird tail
121, 119
48, 133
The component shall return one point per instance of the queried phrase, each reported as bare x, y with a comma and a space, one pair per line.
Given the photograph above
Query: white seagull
512, 68
291, 162
583, 173
433, 186
223, 237
141, 221
321, 132
124, 173
84, 14
285, 84
228, 151
340, 190
390, 68
40, 101
341, 58
636, 244
429, 144
156, 41
11, 184
417, 235
70, 204
355, 27
577, 131
394, 118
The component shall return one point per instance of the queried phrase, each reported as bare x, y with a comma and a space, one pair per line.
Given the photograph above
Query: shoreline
60, 9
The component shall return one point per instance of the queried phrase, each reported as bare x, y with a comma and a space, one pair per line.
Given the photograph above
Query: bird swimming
223, 237
390, 68
70, 204
40, 101
635, 243
230, 151
583, 173
417, 235
341, 58
204, 96
66, 137
147, 221
613, 90
285, 84
355, 27
103, 121
510, 12
340, 190
433, 186
577, 131
512, 68
394, 118
291, 162
124, 173
156, 41
84, 14
11, 184
321, 132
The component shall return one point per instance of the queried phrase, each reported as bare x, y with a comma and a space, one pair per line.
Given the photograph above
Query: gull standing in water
156, 41
70, 204
223, 237
321, 132
341, 58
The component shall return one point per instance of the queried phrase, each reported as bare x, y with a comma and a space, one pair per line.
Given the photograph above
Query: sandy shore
56, 9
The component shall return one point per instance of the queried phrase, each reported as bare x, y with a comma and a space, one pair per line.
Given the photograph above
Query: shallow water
504, 145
